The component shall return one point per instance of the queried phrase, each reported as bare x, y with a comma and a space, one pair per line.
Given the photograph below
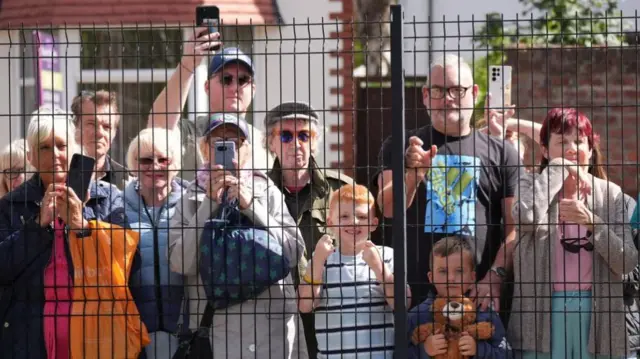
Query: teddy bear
453, 316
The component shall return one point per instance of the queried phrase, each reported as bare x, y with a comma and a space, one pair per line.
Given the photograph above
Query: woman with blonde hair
14, 167
266, 322
150, 199
38, 221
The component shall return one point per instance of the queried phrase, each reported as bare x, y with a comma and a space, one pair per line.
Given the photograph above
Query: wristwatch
83, 233
500, 271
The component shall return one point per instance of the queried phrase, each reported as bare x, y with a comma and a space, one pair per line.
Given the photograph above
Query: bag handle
207, 317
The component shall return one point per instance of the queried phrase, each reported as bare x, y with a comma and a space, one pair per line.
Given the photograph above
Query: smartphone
500, 86
80, 174
225, 154
208, 16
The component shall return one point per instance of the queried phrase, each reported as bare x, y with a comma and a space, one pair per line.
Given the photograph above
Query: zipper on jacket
156, 255
156, 267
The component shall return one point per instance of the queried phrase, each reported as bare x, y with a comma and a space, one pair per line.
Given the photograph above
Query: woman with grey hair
37, 220
266, 325
150, 199
14, 167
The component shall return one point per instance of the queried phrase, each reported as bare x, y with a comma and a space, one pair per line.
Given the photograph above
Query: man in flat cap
292, 135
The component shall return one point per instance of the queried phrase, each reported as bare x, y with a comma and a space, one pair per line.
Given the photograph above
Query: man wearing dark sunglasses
96, 117
230, 86
293, 133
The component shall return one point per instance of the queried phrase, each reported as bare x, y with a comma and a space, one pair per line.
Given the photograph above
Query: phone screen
80, 174
208, 16
212, 24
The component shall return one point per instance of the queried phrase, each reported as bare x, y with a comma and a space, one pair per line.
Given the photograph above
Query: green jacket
310, 206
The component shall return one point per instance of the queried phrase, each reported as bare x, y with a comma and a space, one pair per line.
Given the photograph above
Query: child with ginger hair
351, 288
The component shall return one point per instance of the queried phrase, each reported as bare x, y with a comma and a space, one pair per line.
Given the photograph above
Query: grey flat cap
291, 110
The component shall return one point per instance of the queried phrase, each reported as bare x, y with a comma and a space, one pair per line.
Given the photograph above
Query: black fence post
399, 197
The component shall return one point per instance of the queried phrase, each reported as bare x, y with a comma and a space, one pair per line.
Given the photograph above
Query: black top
462, 194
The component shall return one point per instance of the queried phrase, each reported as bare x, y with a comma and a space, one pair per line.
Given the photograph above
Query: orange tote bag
105, 322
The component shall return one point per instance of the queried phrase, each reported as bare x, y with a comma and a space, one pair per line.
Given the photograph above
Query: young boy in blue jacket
452, 273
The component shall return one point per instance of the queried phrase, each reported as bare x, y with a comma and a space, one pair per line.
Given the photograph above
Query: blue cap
227, 56
218, 119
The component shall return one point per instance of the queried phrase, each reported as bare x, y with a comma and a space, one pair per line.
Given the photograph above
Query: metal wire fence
322, 189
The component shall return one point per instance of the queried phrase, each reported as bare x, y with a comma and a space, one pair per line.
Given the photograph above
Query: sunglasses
148, 161
287, 136
574, 245
242, 80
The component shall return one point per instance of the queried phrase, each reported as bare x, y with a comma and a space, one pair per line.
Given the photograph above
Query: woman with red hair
573, 250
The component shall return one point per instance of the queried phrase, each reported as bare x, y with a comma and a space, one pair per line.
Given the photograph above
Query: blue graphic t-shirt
451, 193
462, 194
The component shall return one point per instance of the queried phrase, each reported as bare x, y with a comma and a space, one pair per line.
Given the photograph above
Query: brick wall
601, 82
343, 88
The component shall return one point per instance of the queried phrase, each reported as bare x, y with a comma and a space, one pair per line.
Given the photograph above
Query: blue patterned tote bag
238, 260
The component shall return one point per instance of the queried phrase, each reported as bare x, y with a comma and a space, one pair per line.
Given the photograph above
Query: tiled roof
31, 13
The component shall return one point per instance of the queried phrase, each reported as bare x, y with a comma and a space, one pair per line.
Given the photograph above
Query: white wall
416, 12
283, 76
10, 127
465, 10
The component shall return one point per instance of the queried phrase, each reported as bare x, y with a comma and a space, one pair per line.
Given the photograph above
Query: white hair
155, 141
44, 122
452, 60
13, 155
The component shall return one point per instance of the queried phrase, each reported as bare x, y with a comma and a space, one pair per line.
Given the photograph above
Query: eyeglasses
87, 93
455, 92
574, 245
304, 136
242, 80
149, 161
238, 141
13, 173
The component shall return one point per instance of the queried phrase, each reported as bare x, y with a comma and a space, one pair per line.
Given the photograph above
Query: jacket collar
111, 167
133, 198
318, 180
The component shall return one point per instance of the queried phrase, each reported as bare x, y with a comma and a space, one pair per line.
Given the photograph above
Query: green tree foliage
547, 22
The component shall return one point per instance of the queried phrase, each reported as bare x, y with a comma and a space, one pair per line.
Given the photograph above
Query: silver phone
225, 154
500, 86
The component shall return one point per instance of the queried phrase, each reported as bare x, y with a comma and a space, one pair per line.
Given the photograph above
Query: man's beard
450, 119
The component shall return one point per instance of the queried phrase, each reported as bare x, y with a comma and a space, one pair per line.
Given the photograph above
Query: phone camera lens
222, 148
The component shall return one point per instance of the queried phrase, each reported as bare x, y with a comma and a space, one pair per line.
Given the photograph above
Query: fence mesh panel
323, 188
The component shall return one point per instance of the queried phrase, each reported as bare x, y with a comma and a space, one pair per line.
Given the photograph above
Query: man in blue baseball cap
228, 121
230, 83
230, 87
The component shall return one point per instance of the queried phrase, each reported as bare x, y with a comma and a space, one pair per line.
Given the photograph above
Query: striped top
353, 319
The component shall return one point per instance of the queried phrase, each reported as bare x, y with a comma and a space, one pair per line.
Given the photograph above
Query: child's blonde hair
357, 194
